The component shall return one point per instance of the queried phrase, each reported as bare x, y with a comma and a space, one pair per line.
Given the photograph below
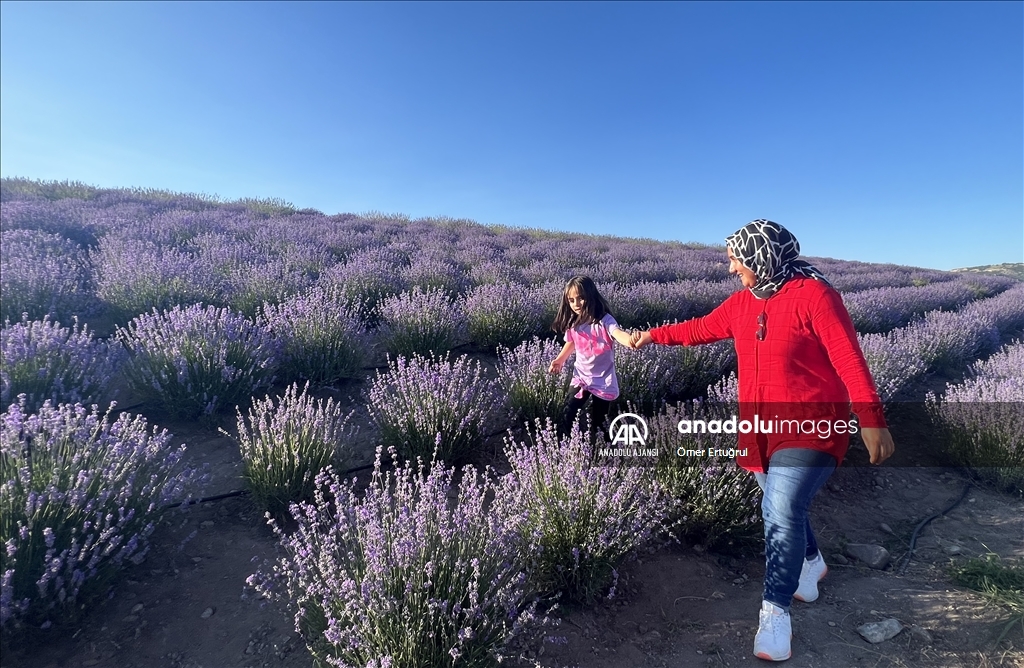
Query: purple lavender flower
420, 322
322, 336
45, 361
80, 497
884, 309
411, 555
425, 404
710, 499
982, 418
44, 275
503, 314
578, 519
533, 393
287, 442
194, 360
134, 276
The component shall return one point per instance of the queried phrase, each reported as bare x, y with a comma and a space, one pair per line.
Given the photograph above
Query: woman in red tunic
801, 372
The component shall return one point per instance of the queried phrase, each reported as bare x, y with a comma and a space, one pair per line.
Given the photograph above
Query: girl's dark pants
598, 411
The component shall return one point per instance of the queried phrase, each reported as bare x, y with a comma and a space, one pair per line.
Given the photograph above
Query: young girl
589, 328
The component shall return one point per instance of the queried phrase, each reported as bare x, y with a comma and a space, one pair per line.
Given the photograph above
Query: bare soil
186, 606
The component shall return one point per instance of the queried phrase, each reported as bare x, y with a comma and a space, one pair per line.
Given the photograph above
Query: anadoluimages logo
628, 429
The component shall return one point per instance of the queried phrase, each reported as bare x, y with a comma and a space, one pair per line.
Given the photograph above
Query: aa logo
628, 429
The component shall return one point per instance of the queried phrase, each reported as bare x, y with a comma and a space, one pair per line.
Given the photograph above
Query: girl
588, 327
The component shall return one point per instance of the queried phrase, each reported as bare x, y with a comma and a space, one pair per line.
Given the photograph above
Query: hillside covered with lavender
200, 309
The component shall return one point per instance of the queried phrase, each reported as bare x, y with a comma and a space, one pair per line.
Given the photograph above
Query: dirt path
185, 607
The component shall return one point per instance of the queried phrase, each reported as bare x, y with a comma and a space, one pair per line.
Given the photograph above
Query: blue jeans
794, 476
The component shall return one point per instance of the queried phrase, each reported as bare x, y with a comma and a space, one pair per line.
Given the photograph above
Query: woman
801, 370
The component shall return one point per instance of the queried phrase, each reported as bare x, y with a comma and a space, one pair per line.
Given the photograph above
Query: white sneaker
774, 634
811, 573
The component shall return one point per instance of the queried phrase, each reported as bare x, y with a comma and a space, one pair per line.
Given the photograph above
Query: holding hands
638, 339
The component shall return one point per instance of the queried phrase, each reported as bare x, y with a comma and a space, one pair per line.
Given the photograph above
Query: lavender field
253, 321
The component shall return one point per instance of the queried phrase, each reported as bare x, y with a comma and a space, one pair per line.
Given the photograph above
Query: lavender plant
368, 277
533, 393
884, 309
323, 339
982, 418
579, 519
950, 340
1005, 311
79, 498
894, 361
133, 277
502, 314
194, 360
287, 442
403, 576
711, 501
435, 274
44, 275
44, 361
653, 375
726, 391
420, 322
422, 405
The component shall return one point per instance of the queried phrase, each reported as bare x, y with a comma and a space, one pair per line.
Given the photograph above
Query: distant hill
1011, 269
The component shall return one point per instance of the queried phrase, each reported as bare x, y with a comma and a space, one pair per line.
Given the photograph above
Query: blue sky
889, 132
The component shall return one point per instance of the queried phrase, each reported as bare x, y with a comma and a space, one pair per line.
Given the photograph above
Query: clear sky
888, 132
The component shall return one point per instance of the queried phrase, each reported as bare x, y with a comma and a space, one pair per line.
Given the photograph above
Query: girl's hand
556, 366
878, 442
639, 339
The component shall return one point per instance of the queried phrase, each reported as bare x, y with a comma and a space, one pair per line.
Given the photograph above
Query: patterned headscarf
770, 251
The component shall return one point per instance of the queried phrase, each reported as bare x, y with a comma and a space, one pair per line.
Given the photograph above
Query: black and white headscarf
770, 251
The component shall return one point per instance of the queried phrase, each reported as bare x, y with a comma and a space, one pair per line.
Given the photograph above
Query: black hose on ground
923, 523
241, 492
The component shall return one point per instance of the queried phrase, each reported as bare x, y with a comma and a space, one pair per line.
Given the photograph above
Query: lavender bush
45, 361
1005, 311
322, 337
894, 361
950, 340
287, 442
425, 404
655, 374
710, 500
420, 322
433, 273
579, 519
194, 360
271, 281
982, 418
79, 497
368, 277
883, 309
403, 576
134, 276
725, 392
44, 275
503, 314
533, 393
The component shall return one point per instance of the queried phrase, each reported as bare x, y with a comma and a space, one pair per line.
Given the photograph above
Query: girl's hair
594, 305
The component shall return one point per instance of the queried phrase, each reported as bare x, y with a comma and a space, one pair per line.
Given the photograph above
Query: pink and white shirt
594, 370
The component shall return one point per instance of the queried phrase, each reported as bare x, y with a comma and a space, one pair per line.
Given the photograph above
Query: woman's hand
878, 442
639, 339
556, 366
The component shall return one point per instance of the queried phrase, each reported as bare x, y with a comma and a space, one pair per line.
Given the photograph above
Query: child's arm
622, 336
557, 363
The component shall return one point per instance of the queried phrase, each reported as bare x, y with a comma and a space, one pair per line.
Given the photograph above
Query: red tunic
809, 367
